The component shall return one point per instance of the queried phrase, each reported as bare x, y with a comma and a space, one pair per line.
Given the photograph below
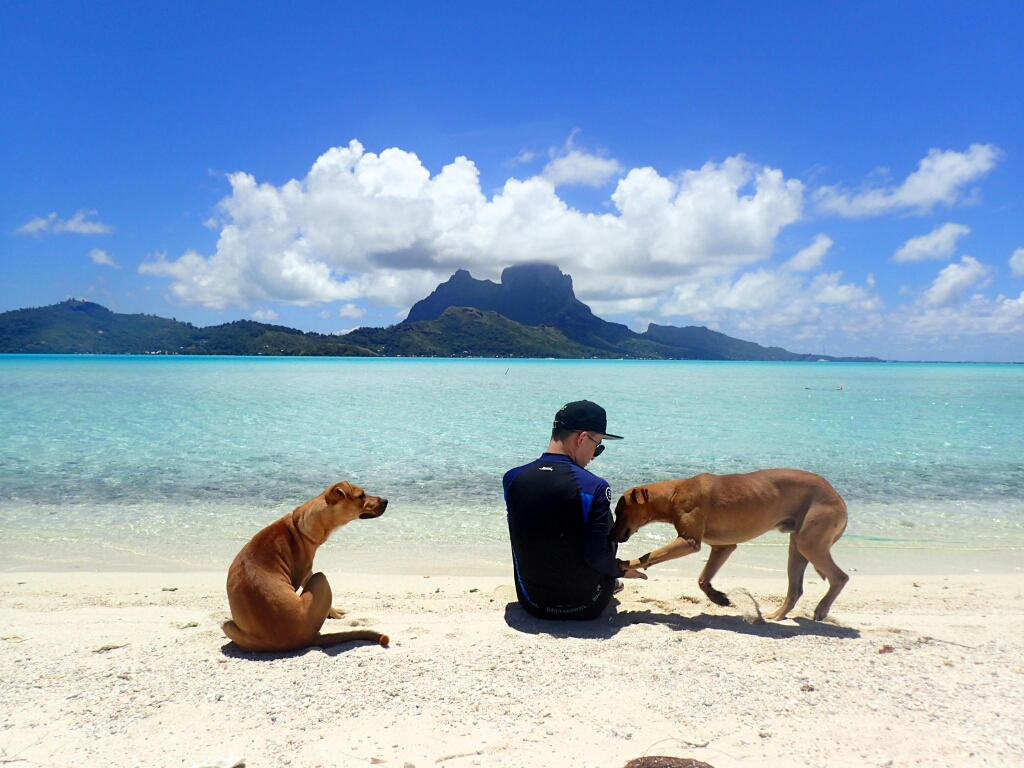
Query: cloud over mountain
769, 299
696, 245
363, 225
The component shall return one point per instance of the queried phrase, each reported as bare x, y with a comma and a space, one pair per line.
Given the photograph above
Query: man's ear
337, 492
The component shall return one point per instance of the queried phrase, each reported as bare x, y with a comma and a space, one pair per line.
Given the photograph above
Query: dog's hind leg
821, 529
332, 613
316, 603
715, 561
795, 569
319, 608
836, 581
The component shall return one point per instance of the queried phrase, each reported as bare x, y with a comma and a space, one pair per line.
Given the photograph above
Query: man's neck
559, 448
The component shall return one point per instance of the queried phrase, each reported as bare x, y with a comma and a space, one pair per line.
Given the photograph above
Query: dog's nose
383, 504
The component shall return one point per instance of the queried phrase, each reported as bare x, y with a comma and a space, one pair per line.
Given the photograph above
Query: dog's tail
335, 638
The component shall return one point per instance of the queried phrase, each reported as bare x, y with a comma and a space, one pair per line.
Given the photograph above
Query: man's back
558, 518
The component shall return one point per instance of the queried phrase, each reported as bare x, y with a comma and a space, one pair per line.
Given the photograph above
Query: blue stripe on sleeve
588, 502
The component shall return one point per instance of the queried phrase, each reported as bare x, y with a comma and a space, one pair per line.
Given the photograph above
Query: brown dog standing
726, 510
267, 612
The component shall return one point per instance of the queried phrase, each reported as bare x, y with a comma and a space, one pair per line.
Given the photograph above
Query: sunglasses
600, 448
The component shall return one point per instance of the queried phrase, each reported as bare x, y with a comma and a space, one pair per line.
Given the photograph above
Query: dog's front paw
335, 613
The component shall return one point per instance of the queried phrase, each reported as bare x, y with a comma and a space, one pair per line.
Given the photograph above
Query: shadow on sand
613, 620
232, 651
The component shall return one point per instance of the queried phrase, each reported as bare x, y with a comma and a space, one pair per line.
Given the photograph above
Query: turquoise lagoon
173, 463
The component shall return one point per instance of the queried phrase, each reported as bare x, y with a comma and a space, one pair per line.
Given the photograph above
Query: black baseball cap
585, 416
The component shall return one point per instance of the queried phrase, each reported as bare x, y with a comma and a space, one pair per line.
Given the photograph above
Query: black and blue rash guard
559, 518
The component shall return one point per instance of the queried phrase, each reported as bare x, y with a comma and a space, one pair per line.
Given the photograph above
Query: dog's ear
337, 492
647, 494
639, 495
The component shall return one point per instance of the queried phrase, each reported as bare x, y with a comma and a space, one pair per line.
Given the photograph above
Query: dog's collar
303, 533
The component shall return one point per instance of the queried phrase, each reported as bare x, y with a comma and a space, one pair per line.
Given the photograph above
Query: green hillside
570, 330
541, 295
469, 332
81, 327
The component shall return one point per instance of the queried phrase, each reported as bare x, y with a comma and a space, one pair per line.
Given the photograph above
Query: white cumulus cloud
953, 308
976, 316
1017, 263
80, 224
940, 178
578, 167
764, 300
381, 227
939, 244
99, 256
351, 310
811, 257
574, 165
953, 281
265, 315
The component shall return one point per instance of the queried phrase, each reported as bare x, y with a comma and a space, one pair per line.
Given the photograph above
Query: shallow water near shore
173, 463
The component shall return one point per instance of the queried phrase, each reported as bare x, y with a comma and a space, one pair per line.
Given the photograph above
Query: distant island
533, 312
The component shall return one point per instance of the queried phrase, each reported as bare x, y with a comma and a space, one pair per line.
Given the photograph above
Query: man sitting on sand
559, 517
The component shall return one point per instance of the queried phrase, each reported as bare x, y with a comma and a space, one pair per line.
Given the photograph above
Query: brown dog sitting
726, 510
268, 613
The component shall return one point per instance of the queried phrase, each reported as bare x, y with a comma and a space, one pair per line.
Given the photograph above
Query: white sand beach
131, 669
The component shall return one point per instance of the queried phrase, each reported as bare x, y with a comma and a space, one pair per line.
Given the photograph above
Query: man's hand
630, 569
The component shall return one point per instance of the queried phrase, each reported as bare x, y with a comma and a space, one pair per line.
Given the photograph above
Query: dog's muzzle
378, 513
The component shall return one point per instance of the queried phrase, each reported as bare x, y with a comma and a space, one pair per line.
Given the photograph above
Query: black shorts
586, 611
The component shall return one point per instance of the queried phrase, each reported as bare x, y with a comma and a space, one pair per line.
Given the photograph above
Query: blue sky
842, 176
